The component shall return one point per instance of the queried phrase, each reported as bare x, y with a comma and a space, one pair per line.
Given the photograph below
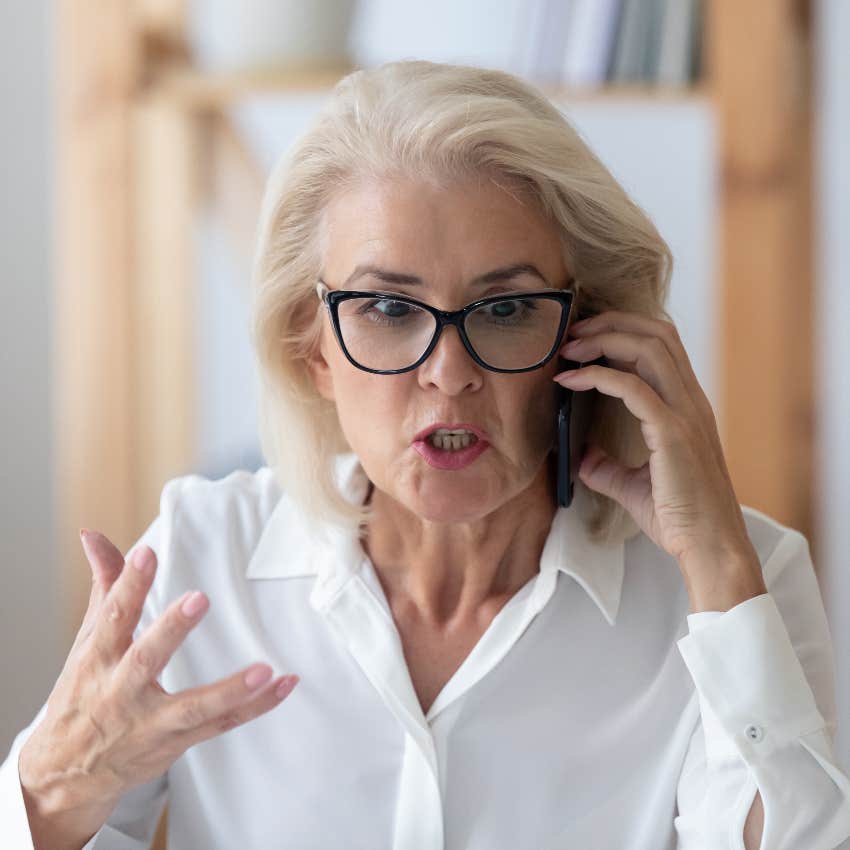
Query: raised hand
109, 724
682, 498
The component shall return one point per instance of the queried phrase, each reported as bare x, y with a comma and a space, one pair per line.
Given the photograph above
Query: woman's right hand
109, 725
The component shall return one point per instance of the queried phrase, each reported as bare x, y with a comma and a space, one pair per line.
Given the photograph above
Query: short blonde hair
435, 122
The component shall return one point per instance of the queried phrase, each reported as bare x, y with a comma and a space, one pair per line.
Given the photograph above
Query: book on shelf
591, 43
678, 50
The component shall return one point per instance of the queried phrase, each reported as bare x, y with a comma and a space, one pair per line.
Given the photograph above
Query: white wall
832, 250
29, 651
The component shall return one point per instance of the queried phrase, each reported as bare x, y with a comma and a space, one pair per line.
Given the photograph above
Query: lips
474, 429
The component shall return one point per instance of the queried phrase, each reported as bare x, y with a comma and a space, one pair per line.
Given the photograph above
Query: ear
320, 372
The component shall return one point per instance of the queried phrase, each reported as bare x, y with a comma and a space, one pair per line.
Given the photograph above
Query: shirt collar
288, 549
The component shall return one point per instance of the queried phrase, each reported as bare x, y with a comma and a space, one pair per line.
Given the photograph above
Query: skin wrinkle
448, 547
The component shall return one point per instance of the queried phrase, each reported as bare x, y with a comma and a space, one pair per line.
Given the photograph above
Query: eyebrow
399, 279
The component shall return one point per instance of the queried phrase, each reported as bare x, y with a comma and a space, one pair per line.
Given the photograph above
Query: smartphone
573, 418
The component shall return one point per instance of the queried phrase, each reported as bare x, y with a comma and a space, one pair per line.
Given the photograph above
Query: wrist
54, 827
719, 582
58, 818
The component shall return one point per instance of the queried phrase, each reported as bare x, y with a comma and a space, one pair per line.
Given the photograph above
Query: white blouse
595, 712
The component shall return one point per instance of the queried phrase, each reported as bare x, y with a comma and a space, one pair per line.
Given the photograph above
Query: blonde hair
435, 122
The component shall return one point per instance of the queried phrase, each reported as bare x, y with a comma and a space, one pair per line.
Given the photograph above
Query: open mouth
451, 441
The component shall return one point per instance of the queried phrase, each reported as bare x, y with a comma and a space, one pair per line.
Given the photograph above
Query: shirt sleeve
764, 678
133, 822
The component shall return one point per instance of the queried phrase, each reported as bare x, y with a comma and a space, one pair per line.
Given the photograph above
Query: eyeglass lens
382, 333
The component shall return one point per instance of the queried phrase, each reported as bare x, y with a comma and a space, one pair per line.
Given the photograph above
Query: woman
477, 665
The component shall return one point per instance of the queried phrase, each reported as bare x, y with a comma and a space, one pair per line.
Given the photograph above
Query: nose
450, 366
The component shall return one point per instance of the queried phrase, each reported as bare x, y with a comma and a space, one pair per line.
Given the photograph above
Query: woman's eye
516, 309
505, 308
381, 309
392, 308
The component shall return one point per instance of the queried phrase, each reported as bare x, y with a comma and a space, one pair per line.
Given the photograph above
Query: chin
446, 513
449, 501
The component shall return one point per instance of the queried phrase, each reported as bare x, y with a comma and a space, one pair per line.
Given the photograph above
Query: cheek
370, 410
525, 411
539, 406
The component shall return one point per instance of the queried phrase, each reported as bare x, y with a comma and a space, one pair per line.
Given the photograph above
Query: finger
667, 332
635, 393
105, 559
152, 650
200, 713
119, 615
646, 356
272, 694
630, 487
106, 563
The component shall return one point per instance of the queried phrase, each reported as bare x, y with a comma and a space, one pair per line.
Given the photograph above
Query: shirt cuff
753, 693
13, 810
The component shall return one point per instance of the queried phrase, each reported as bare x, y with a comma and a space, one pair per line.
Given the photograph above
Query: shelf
205, 90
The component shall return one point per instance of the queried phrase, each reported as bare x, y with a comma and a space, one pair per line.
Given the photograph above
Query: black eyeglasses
386, 333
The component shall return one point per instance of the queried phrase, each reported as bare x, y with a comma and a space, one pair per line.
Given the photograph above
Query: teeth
448, 440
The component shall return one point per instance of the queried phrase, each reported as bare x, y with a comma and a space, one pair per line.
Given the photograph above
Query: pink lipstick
446, 459
450, 458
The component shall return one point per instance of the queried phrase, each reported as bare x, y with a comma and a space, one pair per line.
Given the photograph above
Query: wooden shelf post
758, 66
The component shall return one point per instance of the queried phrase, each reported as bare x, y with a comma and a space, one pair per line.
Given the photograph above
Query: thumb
105, 559
106, 563
600, 472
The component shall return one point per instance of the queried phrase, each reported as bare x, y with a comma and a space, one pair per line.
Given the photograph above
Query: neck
445, 574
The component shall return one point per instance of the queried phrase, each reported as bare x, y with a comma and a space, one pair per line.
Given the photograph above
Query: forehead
434, 232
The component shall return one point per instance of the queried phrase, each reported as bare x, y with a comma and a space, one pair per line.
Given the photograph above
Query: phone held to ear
573, 418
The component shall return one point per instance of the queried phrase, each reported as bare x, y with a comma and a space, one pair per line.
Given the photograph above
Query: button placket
370, 636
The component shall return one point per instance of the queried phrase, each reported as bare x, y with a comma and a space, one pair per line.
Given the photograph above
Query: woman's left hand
682, 498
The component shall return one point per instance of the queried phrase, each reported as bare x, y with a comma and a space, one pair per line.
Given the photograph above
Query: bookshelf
133, 111
199, 91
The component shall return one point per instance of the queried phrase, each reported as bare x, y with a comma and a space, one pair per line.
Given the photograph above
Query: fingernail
193, 604
142, 559
287, 684
257, 676
88, 539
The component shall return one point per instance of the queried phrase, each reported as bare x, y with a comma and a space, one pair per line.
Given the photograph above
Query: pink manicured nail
193, 604
143, 559
287, 684
257, 676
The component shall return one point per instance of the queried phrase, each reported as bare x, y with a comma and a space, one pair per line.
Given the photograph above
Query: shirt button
754, 733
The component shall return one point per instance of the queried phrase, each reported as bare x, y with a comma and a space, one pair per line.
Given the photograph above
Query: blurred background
137, 137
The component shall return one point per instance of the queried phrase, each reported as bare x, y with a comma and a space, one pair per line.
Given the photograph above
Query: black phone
573, 417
